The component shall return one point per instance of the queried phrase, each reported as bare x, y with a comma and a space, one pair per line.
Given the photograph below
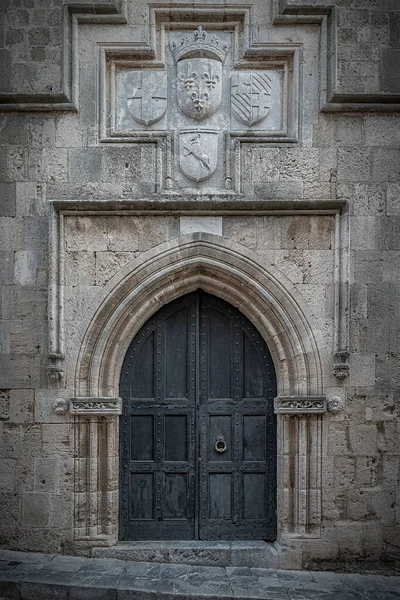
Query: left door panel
158, 480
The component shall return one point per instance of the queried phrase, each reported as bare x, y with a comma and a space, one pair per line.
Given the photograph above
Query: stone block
261, 164
279, 190
43, 408
19, 370
389, 71
344, 472
362, 370
241, 230
393, 199
21, 406
348, 130
86, 234
372, 534
16, 163
7, 199
61, 509
363, 439
390, 472
56, 439
85, 164
349, 538
153, 231
7, 475
212, 225
362, 233
354, 164
358, 300
5, 70
42, 131
46, 470
78, 301
123, 233
69, 132
386, 164
80, 268
6, 267
109, 263
121, 164
368, 471
298, 164
10, 508
27, 264
4, 405
303, 232
35, 510
48, 164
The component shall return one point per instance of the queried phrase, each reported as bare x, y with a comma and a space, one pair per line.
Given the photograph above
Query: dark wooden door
198, 431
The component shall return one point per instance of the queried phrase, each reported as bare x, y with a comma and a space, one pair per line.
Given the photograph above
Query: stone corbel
93, 406
341, 364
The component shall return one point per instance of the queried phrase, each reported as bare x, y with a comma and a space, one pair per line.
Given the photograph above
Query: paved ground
29, 576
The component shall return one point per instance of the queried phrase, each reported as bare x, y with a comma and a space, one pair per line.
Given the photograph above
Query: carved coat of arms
199, 87
199, 57
250, 96
148, 102
198, 153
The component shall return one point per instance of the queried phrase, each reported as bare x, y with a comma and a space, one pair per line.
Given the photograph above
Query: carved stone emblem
199, 87
250, 96
198, 153
199, 57
148, 103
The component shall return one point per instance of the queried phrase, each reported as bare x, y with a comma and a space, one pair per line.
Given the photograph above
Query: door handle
220, 444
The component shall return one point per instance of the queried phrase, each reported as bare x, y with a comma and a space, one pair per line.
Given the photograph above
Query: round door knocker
220, 444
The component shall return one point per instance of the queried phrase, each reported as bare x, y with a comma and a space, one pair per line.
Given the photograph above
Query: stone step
30, 576
218, 554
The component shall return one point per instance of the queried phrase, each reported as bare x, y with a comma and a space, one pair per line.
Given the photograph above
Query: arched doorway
198, 430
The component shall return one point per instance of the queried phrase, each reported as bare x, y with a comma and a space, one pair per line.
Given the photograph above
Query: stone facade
126, 182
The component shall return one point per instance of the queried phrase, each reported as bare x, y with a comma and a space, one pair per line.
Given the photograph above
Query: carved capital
95, 406
300, 405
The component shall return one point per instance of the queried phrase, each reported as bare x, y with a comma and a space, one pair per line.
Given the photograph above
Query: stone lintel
93, 405
300, 405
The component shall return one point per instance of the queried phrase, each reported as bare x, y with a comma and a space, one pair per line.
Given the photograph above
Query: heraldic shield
198, 153
149, 98
199, 87
250, 96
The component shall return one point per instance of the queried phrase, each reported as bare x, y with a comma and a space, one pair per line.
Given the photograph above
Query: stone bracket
300, 405
95, 406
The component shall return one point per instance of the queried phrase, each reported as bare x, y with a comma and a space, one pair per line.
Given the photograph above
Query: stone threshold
32, 576
193, 552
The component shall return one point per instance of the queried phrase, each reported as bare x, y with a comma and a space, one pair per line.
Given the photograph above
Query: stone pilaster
300, 463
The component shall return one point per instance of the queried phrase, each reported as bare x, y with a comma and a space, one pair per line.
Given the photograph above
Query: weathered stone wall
319, 210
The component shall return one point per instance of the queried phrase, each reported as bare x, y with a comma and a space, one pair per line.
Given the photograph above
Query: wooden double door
198, 430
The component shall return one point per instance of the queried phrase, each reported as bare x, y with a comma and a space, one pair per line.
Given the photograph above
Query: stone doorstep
204, 553
46, 577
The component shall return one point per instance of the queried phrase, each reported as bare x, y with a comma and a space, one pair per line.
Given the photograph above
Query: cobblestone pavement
31, 576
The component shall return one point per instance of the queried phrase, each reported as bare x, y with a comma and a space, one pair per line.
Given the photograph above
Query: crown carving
199, 43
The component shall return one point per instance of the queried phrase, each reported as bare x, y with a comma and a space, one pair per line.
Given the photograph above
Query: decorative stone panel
95, 406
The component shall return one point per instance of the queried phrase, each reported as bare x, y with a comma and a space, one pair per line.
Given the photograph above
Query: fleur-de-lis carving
210, 80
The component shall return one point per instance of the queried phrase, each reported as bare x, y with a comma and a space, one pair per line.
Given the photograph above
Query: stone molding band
300, 405
95, 406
